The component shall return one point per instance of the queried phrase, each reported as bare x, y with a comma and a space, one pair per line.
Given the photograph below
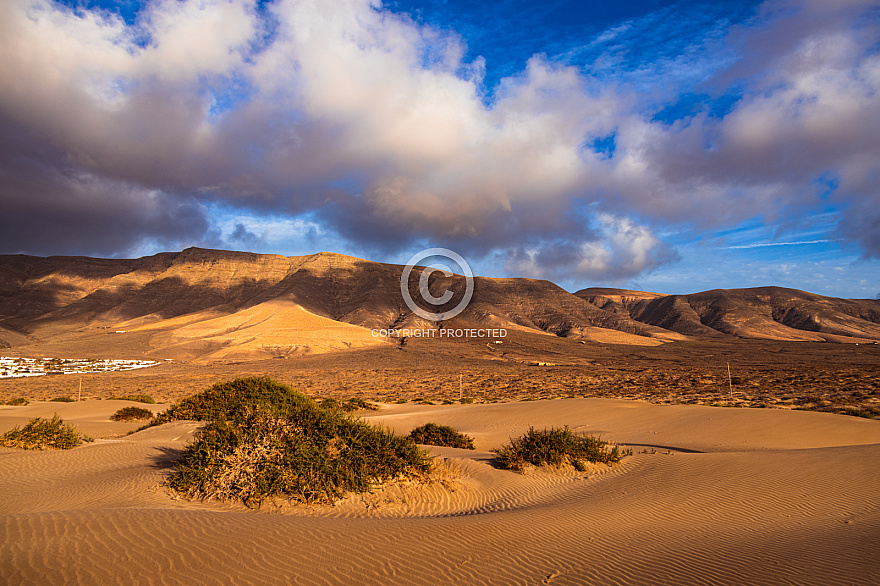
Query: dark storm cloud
49, 202
116, 134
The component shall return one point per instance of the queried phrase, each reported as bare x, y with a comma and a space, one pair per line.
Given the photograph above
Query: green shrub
358, 405
330, 404
18, 402
131, 414
136, 398
348, 405
40, 434
62, 400
555, 447
265, 440
236, 400
432, 434
867, 412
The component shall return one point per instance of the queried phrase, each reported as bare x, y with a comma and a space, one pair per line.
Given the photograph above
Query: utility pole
730, 384
79, 397
459, 387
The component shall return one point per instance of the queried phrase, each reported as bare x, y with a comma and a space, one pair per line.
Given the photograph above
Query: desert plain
711, 494
755, 444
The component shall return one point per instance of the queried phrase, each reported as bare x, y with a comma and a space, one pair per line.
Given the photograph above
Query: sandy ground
711, 496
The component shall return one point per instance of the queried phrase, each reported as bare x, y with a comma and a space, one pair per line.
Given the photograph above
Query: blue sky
667, 146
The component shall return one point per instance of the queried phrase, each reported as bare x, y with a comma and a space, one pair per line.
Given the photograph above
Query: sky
666, 146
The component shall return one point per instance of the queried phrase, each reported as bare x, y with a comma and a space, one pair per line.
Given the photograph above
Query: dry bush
40, 434
136, 398
556, 447
432, 434
265, 440
131, 414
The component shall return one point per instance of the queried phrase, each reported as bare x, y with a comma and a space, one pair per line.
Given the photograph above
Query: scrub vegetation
265, 440
556, 447
41, 434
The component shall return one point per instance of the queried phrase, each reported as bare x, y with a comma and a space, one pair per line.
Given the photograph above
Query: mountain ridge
767, 312
217, 304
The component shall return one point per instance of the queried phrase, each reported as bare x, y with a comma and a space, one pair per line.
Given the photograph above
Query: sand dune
275, 328
606, 336
742, 496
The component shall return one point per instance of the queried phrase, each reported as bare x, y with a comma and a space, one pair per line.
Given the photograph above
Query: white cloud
765, 244
192, 39
359, 97
621, 250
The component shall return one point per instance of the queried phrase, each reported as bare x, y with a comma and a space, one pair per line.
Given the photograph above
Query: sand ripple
767, 515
